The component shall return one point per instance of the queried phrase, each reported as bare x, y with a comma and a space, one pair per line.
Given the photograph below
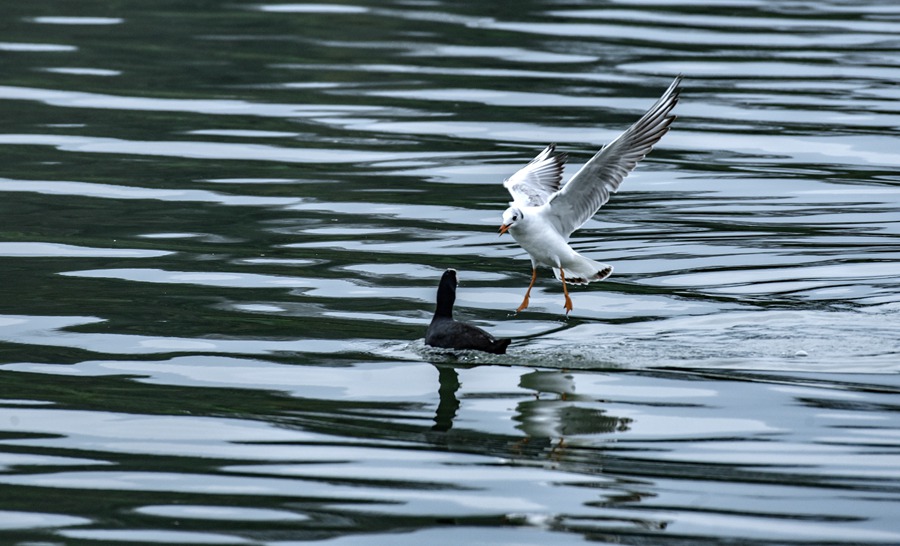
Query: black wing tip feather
549, 152
558, 162
667, 100
660, 117
559, 166
673, 94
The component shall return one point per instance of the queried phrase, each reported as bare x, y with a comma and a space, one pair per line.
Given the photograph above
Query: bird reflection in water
563, 413
448, 404
554, 413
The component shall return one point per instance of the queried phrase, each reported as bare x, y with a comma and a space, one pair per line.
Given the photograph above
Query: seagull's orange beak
504, 228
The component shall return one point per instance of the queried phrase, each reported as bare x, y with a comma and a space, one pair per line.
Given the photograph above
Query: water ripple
41, 249
224, 226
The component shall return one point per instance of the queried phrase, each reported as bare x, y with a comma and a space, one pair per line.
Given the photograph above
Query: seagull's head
510, 217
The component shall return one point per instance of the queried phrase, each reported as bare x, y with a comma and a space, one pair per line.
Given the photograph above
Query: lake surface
223, 224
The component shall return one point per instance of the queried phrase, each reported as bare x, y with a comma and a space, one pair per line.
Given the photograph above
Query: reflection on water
223, 229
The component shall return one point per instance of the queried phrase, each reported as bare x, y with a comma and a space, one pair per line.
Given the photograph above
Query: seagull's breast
540, 239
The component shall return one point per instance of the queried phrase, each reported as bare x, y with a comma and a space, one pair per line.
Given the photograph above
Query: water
222, 230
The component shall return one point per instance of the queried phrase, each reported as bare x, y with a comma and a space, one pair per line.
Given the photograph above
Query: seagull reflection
563, 413
554, 413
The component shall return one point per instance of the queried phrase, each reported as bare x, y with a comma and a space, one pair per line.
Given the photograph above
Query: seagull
545, 212
452, 334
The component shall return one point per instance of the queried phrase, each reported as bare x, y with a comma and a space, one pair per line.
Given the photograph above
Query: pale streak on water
222, 233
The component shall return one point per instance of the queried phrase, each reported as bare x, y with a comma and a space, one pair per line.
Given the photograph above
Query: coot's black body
447, 333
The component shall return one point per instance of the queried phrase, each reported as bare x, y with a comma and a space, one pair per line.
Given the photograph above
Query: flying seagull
545, 212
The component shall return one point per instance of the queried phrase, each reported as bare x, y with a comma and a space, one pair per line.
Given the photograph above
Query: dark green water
222, 227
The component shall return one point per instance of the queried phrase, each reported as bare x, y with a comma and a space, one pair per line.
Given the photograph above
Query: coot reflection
447, 333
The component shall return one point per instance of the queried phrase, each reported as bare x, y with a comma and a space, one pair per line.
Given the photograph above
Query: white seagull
544, 212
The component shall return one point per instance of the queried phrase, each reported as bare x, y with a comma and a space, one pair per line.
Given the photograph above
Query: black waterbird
447, 333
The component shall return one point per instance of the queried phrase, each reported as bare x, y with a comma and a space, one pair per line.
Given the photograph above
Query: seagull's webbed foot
524, 304
528, 292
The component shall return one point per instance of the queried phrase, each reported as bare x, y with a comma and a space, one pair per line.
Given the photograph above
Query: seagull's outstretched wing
533, 184
584, 193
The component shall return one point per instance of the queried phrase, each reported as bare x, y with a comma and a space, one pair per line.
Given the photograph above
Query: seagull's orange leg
528, 293
562, 276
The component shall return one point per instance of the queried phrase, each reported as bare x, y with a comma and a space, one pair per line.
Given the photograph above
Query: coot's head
510, 217
446, 295
449, 277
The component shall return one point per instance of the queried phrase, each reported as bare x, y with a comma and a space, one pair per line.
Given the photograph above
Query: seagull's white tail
580, 270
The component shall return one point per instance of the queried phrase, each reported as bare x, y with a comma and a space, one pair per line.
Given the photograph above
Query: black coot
451, 334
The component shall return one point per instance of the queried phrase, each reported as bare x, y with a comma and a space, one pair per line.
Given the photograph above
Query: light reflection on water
219, 259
